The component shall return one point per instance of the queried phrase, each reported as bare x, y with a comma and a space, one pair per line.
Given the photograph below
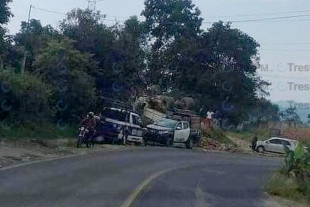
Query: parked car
168, 132
276, 144
116, 123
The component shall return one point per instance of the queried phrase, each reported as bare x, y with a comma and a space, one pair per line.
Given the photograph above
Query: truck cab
168, 132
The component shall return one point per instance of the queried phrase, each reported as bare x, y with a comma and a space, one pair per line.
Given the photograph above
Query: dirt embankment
13, 152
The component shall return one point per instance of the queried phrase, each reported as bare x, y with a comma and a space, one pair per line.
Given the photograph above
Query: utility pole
25, 52
92, 4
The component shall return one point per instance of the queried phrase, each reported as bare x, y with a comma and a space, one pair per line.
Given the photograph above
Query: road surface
150, 176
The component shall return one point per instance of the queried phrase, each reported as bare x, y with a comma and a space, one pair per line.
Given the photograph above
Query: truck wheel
124, 141
145, 142
189, 144
169, 142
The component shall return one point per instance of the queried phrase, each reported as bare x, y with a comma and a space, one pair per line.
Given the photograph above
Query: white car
276, 144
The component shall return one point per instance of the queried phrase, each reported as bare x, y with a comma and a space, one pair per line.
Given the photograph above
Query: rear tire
260, 149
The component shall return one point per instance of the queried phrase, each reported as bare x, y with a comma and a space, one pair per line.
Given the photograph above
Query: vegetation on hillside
62, 74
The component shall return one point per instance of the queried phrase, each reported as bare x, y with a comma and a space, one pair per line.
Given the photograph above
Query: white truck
121, 126
168, 132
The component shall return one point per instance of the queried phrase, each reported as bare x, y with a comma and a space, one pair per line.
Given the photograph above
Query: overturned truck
155, 108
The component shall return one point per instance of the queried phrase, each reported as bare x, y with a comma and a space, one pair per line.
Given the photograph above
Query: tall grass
287, 187
46, 131
261, 134
217, 135
293, 179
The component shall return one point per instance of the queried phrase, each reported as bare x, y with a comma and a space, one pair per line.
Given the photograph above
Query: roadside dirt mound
241, 144
210, 144
18, 151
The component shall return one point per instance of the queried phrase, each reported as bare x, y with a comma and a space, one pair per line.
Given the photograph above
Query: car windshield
166, 123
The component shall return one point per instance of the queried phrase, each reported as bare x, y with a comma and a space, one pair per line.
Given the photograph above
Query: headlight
164, 132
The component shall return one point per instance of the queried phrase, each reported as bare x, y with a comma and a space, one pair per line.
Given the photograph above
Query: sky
285, 40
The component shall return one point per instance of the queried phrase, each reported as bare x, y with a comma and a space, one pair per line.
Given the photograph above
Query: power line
293, 43
297, 50
261, 14
263, 20
266, 19
286, 78
49, 11
55, 12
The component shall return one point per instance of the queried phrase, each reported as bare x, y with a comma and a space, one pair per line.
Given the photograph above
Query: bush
24, 99
293, 179
280, 185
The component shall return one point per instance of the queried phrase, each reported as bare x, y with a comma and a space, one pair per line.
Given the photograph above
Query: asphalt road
150, 176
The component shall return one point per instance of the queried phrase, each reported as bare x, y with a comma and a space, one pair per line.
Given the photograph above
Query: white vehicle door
269, 145
178, 133
275, 145
186, 131
135, 133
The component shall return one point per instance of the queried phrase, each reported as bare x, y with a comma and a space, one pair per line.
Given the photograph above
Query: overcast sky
283, 41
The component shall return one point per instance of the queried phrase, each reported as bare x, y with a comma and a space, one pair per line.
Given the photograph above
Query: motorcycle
82, 138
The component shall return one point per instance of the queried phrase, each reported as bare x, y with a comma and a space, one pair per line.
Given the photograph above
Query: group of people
211, 117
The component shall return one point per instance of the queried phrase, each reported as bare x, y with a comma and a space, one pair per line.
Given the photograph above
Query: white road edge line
132, 197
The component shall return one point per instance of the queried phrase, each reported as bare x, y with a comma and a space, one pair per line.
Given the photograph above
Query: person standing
218, 116
209, 117
254, 143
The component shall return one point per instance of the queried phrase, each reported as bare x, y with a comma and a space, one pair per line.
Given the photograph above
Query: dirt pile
210, 144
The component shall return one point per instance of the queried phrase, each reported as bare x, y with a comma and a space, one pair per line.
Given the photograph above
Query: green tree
217, 69
117, 50
130, 45
5, 15
33, 38
174, 26
66, 70
290, 116
167, 19
263, 112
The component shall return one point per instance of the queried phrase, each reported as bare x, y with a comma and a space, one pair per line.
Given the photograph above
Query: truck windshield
166, 123
115, 114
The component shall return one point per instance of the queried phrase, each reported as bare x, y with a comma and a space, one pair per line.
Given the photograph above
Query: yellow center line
132, 197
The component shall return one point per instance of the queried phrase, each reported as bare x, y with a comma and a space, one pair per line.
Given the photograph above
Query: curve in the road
111, 179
